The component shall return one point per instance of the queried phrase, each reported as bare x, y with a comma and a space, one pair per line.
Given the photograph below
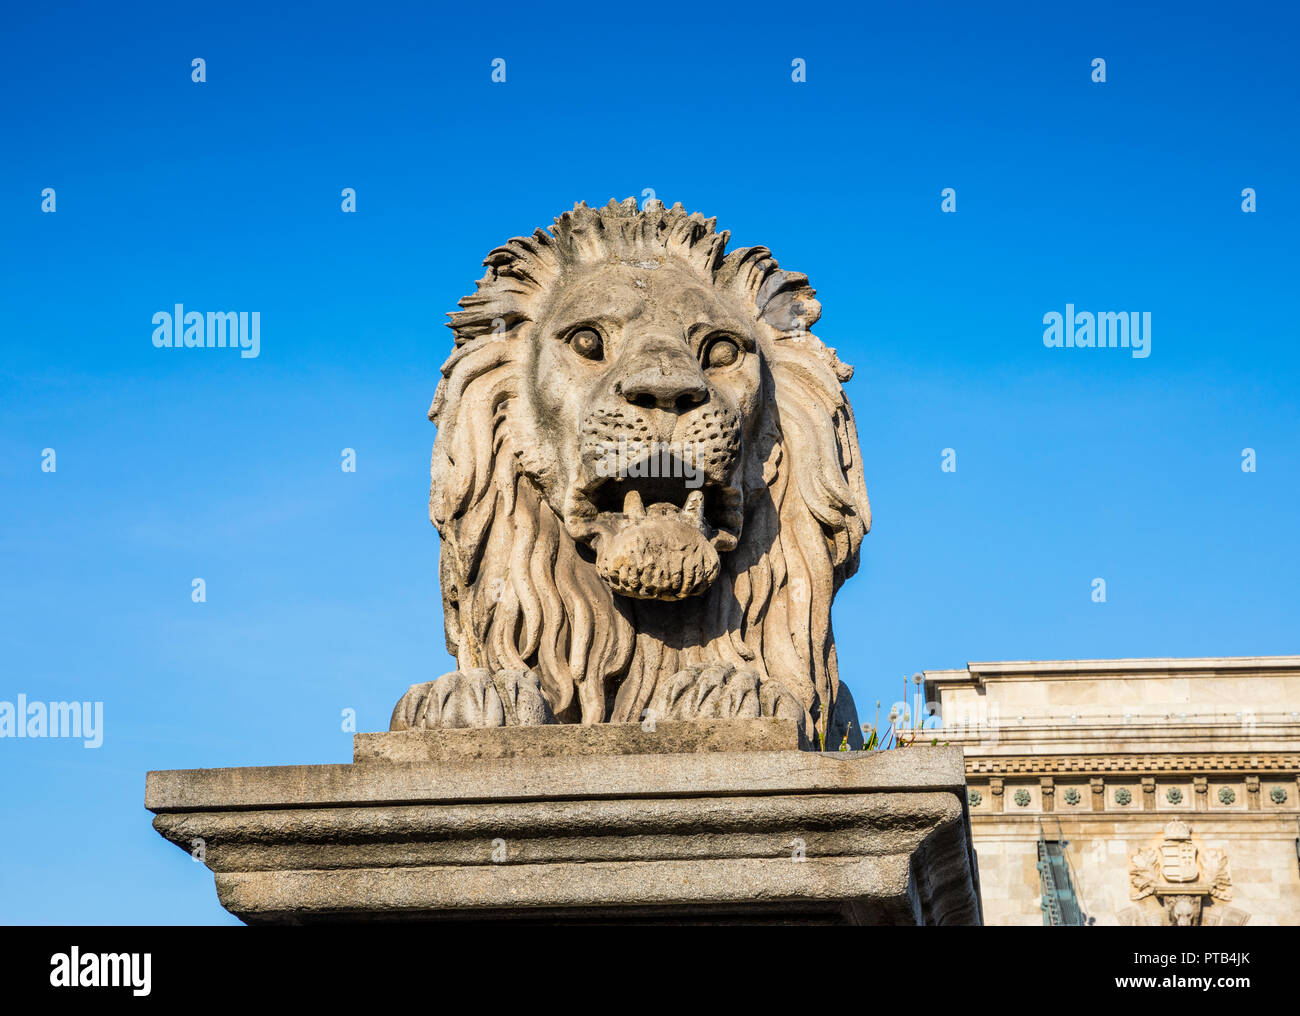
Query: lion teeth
695, 504
632, 504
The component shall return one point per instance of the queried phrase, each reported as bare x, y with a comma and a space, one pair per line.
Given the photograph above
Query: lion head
645, 460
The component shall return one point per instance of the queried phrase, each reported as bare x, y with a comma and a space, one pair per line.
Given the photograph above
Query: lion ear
784, 300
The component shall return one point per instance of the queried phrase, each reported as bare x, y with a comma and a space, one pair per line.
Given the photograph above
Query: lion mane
519, 593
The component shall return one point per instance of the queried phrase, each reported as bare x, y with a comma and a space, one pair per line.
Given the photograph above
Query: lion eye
587, 343
721, 353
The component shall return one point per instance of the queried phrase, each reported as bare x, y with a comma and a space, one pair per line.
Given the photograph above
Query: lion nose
673, 383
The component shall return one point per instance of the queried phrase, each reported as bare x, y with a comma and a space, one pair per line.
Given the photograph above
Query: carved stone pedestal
707, 821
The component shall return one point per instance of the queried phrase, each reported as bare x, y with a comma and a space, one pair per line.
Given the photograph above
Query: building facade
1153, 791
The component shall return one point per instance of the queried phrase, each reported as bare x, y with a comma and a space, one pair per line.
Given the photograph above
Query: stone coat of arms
1180, 876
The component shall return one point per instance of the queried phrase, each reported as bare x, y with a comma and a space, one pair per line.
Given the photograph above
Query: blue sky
1072, 464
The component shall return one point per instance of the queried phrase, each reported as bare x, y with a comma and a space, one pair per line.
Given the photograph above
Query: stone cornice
1274, 763
980, 674
1138, 667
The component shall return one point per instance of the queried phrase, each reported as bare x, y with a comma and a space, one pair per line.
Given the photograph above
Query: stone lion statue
647, 483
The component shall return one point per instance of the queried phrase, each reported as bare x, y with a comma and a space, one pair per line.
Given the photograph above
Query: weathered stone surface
647, 482
771, 835
470, 743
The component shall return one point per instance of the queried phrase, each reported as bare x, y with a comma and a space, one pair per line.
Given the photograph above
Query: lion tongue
658, 557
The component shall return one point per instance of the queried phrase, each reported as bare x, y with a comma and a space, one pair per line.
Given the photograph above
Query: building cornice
978, 673
1137, 665
1226, 763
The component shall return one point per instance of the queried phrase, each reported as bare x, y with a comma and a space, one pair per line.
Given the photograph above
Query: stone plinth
701, 821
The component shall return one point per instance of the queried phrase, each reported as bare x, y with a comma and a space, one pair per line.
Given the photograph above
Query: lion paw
719, 690
474, 698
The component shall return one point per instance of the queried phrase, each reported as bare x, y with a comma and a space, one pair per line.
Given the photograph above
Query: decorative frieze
1204, 795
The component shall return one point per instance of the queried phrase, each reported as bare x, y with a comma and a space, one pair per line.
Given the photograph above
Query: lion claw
474, 698
719, 690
